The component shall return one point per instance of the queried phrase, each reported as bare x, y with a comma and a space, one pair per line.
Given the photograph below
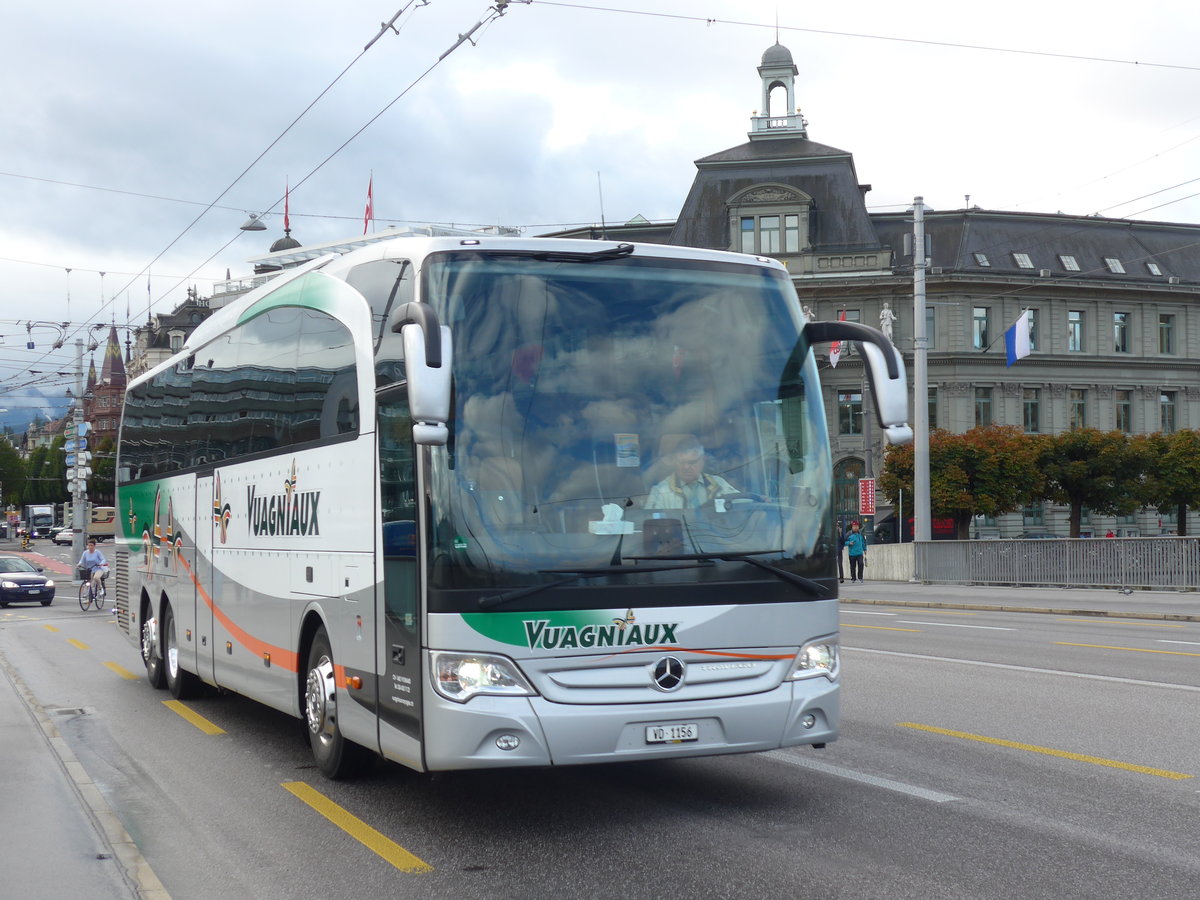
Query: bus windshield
639, 412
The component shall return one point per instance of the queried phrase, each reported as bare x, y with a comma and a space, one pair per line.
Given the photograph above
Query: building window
1030, 407
930, 329
982, 260
979, 327
1153, 268
1033, 328
932, 401
1069, 263
1166, 333
983, 407
1033, 514
1077, 414
850, 412
1114, 265
1123, 411
1075, 331
769, 219
1166, 410
1022, 260
176, 341
770, 234
1121, 332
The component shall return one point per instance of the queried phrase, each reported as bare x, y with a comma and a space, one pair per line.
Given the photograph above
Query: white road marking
859, 612
1190, 643
873, 780
991, 665
957, 625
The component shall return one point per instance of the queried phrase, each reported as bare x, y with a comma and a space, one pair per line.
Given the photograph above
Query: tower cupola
778, 73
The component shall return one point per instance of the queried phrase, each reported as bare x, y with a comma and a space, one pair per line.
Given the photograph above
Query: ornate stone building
1115, 326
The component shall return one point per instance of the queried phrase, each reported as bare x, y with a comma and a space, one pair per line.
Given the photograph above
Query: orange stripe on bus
287, 660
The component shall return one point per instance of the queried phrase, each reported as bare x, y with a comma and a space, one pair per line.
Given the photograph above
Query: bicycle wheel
85, 597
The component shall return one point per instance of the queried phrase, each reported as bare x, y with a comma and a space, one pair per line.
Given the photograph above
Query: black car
21, 582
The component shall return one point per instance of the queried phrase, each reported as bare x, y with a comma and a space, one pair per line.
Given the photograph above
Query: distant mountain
31, 403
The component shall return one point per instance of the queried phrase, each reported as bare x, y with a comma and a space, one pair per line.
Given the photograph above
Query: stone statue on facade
886, 318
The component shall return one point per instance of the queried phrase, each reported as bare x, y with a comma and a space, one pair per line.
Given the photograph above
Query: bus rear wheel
336, 757
181, 683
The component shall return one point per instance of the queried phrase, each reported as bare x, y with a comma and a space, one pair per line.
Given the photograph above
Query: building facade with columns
1114, 303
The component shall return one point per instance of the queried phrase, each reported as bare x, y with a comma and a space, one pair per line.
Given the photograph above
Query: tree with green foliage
1171, 473
1101, 470
102, 488
985, 471
12, 474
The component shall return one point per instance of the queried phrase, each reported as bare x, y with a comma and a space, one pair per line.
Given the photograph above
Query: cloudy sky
139, 135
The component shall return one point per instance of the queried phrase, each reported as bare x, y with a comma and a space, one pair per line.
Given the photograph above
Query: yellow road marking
50, 628
121, 670
80, 644
1107, 621
1130, 649
881, 627
358, 829
194, 717
1048, 751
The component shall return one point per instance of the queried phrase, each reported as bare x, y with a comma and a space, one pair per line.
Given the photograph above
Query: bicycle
89, 596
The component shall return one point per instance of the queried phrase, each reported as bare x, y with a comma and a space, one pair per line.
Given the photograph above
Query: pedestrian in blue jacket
856, 549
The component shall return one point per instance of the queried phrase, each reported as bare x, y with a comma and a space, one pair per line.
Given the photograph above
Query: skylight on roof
1068, 262
981, 259
1023, 260
1114, 265
1154, 269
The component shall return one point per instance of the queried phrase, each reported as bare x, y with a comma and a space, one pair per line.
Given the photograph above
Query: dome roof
777, 55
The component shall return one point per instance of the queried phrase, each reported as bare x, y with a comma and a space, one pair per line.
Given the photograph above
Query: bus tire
336, 757
156, 672
182, 684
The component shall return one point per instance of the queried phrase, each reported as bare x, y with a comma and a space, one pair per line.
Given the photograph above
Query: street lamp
254, 223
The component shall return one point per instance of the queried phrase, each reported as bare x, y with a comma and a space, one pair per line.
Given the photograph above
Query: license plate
33, 590
672, 734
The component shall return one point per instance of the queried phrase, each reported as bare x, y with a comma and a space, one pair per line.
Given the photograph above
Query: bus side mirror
885, 368
427, 364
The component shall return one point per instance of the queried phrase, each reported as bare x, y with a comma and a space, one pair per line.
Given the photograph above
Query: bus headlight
461, 676
819, 657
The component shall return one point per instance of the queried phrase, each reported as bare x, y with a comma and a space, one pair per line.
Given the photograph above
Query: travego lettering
291, 513
541, 635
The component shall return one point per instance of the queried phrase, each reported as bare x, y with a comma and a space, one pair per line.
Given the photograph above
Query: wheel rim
148, 629
172, 650
320, 698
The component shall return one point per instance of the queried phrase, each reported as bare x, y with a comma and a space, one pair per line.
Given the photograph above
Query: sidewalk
62, 838
1179, 606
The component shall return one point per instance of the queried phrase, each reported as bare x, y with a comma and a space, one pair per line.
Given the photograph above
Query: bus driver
688, 486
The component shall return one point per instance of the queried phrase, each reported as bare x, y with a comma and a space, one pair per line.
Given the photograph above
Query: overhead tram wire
706, 20
497, 11
383, 28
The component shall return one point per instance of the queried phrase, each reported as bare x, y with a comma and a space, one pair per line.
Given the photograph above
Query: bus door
202, 634
397, 597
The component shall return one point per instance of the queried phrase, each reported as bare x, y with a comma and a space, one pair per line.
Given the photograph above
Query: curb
990, 607
137, 871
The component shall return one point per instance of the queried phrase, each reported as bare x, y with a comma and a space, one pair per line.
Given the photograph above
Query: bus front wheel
336, 757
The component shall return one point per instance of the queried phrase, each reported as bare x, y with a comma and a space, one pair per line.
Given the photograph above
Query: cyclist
96, 565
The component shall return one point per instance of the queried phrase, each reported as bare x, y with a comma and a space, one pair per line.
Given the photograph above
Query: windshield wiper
575, 575
747, 556
617, 252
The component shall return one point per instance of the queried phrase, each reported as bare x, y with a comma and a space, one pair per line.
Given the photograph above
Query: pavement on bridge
1175, 606
83, 850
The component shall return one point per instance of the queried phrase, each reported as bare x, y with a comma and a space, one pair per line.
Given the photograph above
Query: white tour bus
438, 498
